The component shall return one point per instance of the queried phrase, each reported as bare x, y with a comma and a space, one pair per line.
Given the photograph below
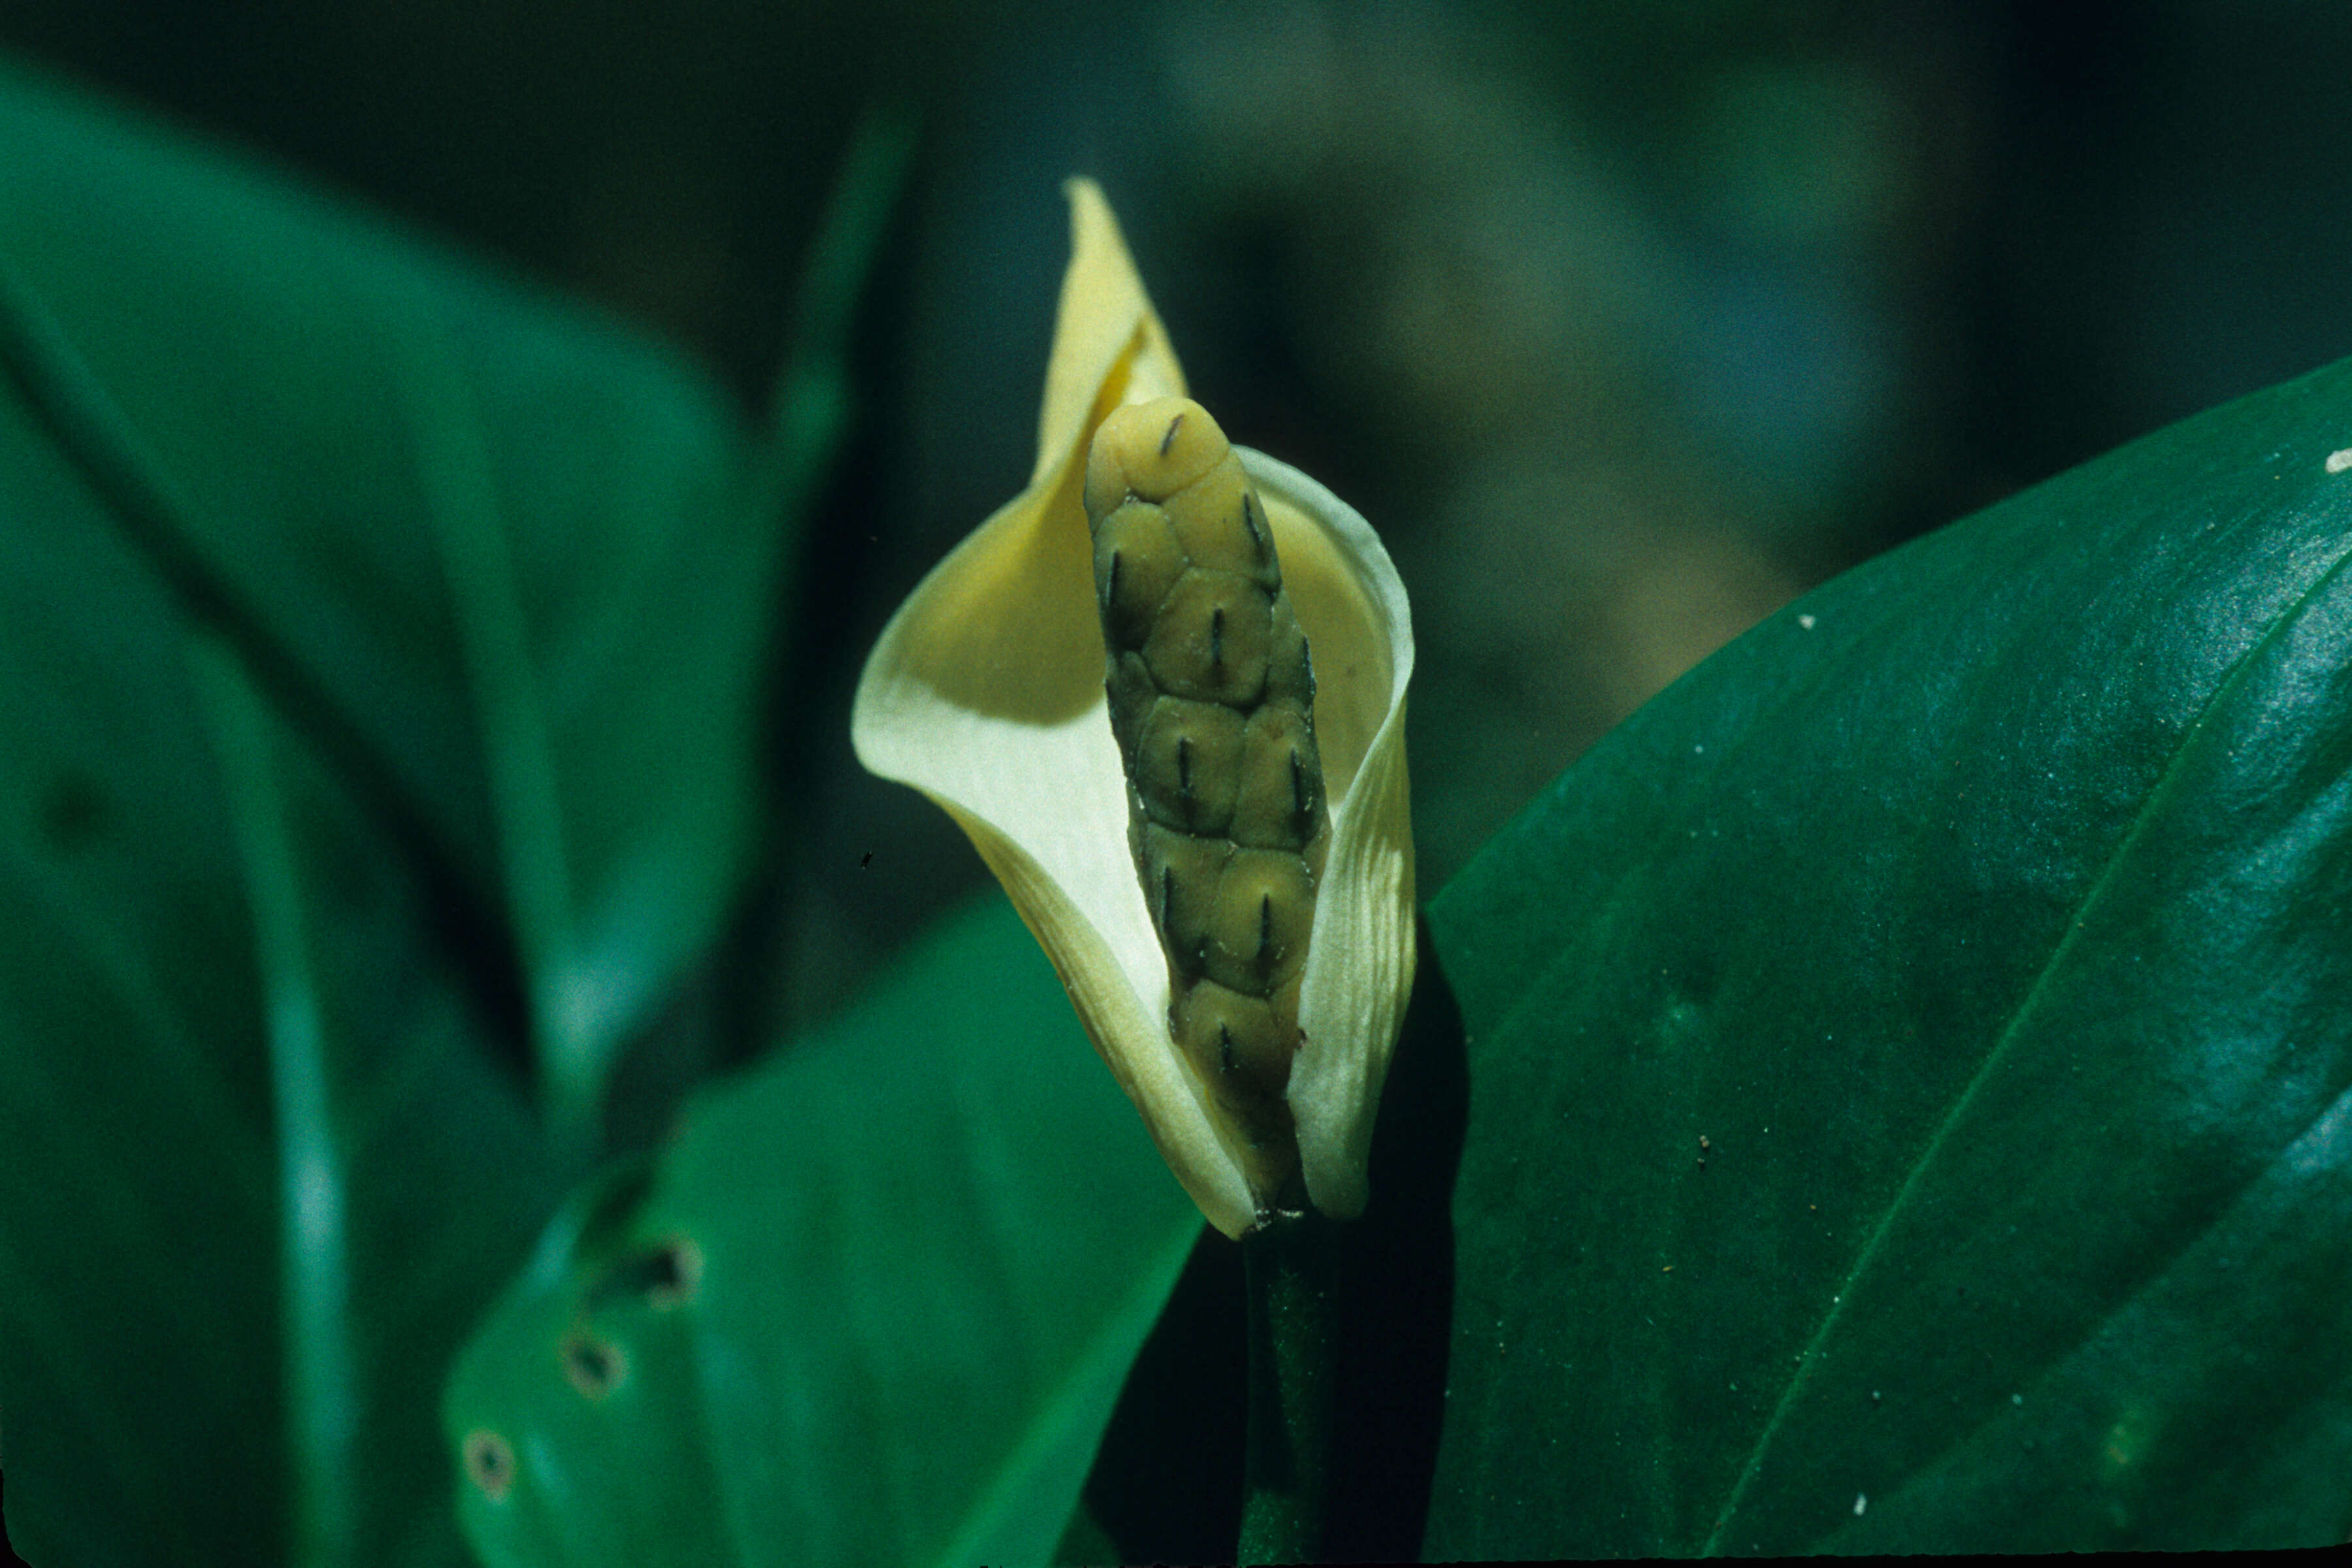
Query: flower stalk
1290, 1268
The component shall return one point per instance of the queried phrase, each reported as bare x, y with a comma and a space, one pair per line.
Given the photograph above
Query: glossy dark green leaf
1908, 1060
873, 1305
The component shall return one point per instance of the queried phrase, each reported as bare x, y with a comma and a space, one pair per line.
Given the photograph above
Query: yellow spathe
985, 692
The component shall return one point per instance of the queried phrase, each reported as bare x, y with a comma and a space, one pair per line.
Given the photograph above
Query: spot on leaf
489, 1462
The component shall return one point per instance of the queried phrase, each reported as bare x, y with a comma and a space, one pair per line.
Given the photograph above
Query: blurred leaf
204, 1012
406, 1169
377, 650
808, 407
873, 1305
1908, 1060
495, 555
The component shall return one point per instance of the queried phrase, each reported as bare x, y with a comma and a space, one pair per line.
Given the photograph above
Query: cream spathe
985, 692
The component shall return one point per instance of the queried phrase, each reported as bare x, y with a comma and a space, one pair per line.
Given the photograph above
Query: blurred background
1624, 321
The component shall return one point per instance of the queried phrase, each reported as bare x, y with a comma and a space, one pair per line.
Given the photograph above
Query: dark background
1623, 321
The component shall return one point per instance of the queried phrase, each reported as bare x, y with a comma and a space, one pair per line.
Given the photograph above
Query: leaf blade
928, 1241
1849, 903
204, 440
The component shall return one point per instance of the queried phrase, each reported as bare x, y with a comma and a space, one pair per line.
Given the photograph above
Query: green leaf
258, 1166
499, 558
1908, 1059
873, 1305
376, 644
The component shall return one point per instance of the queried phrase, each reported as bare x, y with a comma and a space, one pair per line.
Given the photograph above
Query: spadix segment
1212, 701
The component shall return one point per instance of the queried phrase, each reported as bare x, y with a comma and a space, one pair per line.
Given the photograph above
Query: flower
986, 692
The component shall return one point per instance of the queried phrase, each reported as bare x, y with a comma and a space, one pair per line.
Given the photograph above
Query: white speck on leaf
2338, 461
1860, 1502
1805, 623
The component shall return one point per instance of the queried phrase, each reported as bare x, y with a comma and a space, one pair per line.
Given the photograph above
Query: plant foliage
1898, 1080
1909, 1060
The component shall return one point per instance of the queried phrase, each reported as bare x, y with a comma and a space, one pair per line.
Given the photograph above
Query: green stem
1291, 1267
